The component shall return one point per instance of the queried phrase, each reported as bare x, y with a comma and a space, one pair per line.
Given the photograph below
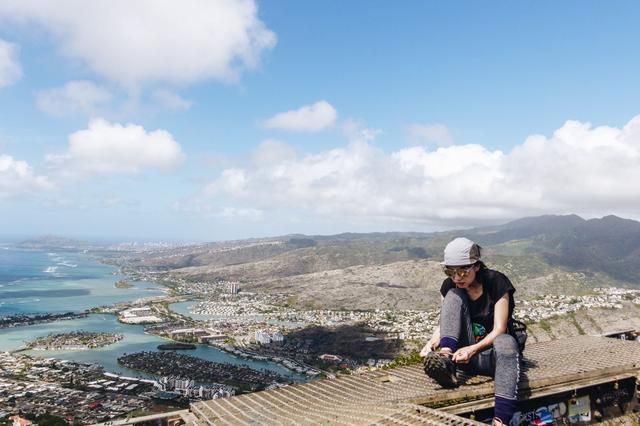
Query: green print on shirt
478, 331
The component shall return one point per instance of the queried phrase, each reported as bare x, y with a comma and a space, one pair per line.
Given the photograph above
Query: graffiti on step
576, 410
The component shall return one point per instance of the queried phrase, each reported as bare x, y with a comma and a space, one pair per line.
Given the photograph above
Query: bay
135, 340
37, 281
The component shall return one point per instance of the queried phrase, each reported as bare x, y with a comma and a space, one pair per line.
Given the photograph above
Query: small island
175, 346
26, 319
74, 340
123, 284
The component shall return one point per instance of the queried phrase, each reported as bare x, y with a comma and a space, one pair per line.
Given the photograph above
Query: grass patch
310, 305
593, 323
544, 324
410, 359
292, 302
576, 324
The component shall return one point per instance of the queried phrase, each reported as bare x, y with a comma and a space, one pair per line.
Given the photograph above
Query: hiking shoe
441, 369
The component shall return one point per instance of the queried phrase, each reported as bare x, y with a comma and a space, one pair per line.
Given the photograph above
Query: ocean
36, 281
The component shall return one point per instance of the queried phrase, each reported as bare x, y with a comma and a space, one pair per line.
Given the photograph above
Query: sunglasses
460, 271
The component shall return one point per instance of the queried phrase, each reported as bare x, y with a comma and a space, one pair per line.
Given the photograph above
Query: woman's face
468, 279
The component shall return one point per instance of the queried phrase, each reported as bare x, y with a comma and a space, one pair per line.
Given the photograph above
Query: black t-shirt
494, 285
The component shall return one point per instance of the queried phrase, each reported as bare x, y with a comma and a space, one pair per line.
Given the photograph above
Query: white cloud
355, 131
170, 100
233, 212
204, 209
10, 69
17, 178
580, 168
152, 40
309, 118
76, 97
273, 151
105, 148
430, 134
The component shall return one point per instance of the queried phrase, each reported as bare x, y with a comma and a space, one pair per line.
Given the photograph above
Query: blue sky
201, 120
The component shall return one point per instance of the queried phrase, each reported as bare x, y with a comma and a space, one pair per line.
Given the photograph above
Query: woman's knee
456, 296
505, 345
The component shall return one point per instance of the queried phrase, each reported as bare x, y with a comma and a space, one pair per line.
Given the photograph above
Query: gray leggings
501, 361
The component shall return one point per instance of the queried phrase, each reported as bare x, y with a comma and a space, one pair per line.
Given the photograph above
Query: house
20, 421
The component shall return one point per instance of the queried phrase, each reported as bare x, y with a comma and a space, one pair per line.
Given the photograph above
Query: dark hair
475, 251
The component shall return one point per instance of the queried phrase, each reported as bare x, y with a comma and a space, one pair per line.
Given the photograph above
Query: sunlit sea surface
33, 281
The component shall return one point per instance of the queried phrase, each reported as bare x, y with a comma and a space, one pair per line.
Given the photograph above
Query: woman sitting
477, 309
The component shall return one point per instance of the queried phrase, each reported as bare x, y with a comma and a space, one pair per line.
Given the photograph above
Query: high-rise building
233, 286
263, 337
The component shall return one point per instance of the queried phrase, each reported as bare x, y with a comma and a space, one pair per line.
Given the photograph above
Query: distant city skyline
208, 121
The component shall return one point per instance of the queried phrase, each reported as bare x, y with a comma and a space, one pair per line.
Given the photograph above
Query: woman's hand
463, 355
431, 346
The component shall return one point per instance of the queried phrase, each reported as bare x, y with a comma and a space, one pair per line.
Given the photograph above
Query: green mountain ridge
610, 245
545, 254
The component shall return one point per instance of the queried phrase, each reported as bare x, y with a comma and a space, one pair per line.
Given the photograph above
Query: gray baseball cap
461, 251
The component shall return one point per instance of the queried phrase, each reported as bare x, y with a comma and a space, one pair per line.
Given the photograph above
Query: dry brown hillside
590, 322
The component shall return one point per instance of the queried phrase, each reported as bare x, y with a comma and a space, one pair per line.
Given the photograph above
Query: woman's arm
433, 343
500, 319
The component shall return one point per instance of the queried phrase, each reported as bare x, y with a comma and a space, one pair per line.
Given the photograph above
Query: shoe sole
435, 368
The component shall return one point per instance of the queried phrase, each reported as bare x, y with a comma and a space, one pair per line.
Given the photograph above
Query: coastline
75, 340
23, 320
135, 339
290, 364
98, 317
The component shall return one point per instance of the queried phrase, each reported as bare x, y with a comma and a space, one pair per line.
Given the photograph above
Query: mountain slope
546, 254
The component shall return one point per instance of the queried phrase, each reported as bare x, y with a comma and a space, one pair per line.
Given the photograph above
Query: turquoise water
35, 281
135, 340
